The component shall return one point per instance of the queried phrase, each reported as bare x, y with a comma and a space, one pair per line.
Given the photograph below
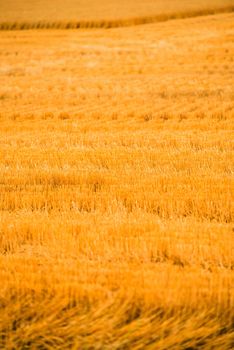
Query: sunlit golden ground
116, 187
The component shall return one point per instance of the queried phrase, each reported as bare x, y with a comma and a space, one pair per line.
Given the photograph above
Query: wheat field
34, 14
117, 186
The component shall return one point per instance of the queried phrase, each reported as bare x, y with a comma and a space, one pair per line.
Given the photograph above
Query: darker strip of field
24, 25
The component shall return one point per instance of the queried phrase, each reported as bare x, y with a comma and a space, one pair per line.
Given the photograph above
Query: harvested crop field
26, 14
117, 187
